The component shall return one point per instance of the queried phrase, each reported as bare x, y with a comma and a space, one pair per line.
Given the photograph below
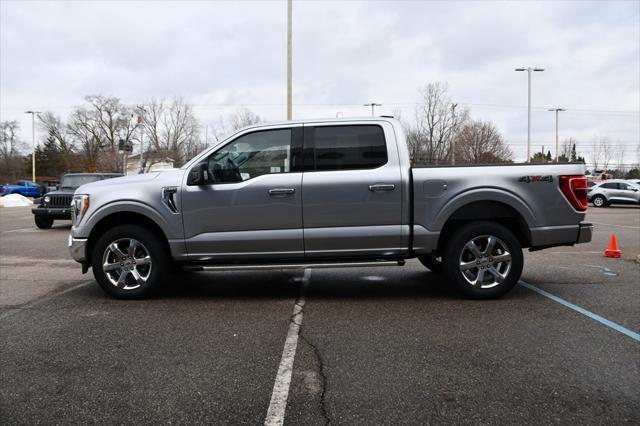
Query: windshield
74, 182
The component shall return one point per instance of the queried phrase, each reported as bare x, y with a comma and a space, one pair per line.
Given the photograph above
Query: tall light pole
289, 58
528, 70
33, 143
141, 112
557, 110
372, 105
453, 135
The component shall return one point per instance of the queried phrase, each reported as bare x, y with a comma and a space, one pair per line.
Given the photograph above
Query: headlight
47, 200
79, 207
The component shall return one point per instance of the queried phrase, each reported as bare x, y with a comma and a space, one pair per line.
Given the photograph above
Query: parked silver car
616, 191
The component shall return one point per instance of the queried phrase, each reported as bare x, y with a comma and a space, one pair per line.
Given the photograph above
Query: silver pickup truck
325, 193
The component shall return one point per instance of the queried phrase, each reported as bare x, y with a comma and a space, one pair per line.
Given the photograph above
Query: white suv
616, 191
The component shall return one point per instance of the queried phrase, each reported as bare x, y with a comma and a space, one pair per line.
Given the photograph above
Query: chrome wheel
126, 263
598, 201
485, 261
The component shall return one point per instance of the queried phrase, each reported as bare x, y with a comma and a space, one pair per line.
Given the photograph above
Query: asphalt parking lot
376, 345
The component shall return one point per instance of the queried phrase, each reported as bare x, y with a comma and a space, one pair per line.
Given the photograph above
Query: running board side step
264, 267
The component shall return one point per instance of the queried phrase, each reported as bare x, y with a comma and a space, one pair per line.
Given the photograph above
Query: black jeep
56, 205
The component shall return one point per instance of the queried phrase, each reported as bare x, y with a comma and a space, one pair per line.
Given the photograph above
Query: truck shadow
349, 285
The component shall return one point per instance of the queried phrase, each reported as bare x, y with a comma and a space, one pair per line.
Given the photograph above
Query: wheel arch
124, 218
495, 211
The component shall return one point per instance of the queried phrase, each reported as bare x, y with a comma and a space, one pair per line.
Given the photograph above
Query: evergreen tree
574, 156
49, 158
549, 158
538, 157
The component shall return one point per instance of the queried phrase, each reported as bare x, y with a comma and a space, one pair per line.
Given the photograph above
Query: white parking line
280, 394
617, 327
42, 300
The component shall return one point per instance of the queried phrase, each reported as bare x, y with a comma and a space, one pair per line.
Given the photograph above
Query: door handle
382, 187
281, 191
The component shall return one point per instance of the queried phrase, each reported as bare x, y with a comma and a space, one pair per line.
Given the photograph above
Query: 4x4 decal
528, 179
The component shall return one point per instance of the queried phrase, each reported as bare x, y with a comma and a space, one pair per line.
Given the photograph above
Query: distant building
153, 162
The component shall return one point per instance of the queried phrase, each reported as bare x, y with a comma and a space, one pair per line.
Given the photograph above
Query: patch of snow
15, 200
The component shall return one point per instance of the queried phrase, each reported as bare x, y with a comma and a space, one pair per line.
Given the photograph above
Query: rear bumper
584, 233
77, 249
565, 235
53, 212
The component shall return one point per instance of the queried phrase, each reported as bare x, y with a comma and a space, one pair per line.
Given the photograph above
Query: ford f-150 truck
325, 193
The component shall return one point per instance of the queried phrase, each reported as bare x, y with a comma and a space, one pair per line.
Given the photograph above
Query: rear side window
349, 147
610, 185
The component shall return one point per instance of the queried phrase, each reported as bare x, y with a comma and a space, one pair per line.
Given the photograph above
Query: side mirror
199, 175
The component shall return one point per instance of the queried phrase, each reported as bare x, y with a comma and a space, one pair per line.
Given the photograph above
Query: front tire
130, 262
599, 201
43, 222
483, 260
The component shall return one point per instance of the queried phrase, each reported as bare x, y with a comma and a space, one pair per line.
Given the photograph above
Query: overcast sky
222, 55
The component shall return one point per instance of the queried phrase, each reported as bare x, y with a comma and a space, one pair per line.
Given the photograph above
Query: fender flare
498, 195
130, 206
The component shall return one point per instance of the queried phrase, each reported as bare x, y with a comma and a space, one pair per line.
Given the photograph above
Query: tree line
91, 137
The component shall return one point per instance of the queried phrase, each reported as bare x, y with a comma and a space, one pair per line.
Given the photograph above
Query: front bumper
584, 233
77, 249
53, 212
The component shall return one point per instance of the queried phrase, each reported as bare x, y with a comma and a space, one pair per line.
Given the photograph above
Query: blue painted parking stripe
583, 311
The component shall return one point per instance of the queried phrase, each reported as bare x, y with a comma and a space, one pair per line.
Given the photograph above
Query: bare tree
172, 130
603, 152
243, 117
481, 142
114, 121
565, 150
86, 132
97, 126
10, 146
436, 124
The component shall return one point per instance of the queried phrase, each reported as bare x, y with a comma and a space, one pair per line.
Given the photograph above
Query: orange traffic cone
613, 250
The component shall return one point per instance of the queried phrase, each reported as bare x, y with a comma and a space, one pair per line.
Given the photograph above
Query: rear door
627, 192
352, 193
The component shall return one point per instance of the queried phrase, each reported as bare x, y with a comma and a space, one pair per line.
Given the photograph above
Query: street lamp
33, 143
289, 58
453, 138
557, 110
141, 112
372, 105
528, 70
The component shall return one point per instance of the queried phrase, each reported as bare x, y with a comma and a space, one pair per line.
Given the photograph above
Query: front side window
349, 147
252, 155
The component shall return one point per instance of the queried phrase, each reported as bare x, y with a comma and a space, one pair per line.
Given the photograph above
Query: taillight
575, 190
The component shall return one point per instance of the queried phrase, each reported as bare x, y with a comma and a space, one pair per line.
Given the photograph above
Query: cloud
345, 54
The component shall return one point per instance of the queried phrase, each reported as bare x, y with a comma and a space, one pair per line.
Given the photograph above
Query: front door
352, 192
251, 206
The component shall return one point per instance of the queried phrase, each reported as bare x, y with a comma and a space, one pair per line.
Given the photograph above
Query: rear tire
432, 262
599, 201
130, 262
43, 222
483, 260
